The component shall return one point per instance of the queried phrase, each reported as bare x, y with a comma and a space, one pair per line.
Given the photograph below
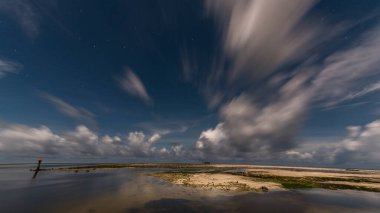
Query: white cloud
254, 49
154, 138
261, 120
354, 131
256, 43
213, 136
177, 150
138, 143
298, 155
111, 140
254, 131
28, 140
78, 113
7, 66
22, 140
131, 83
360, 148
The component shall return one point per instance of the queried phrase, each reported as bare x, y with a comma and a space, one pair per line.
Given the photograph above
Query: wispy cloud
78, 113
7, 66
353, 95
260, 121
166, 126
346, 70
25, 13
132, 84
32, 15
369, 89
250, 128
252, 49
245, 33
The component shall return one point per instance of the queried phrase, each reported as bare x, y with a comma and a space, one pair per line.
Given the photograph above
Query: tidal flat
257, 178
175, 188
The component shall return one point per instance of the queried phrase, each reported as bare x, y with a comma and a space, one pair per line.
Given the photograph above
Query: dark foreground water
126, 190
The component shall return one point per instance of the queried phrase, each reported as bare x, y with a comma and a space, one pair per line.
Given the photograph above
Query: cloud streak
25, 13
7, 66
256, 37
255, 42
349, 69
79, 114
132, 84
261, 122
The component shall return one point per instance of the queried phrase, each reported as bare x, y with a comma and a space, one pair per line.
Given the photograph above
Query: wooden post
38, 167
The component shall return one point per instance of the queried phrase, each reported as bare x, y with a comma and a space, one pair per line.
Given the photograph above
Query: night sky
264, 81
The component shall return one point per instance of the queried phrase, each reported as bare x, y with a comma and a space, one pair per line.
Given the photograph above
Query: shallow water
127, 190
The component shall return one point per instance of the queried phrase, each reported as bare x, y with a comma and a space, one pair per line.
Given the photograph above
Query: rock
264, 189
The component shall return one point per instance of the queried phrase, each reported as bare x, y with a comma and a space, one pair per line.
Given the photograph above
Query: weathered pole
38, 167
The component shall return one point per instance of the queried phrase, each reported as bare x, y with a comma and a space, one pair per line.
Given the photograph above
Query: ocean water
128, 190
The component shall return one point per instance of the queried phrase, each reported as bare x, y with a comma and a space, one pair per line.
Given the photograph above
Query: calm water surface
127, 190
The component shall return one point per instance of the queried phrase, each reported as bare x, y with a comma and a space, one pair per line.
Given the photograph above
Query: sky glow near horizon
253, 81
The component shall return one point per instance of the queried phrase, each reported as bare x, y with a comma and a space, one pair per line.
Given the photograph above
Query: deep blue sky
78, 54
179, 68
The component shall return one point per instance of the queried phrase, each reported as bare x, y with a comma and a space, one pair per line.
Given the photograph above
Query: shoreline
242, 178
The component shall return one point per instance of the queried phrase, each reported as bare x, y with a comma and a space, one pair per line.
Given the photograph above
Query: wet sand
225, 182
241, 178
